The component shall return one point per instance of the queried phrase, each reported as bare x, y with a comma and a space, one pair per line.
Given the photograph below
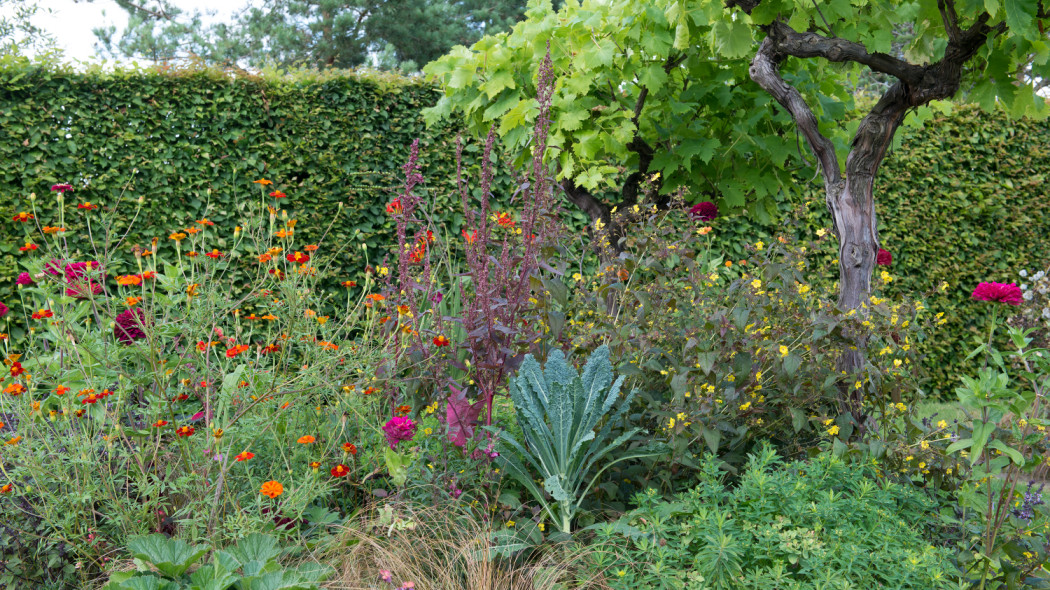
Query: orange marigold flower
244, 456
349, 284
185, 431
271, 489
215, 254
283, 233
350, 448
53, 230
403, 409
129, 280
149, 275
310, 247
275, 250
404, 310
61, 390
384, 319
16, 369
6, 488
264, 258
370, 391
278, 195
29, 247
15, 389
440, 340
14, 441
205, 221
262, 181
192, 289
192, 254
42, 314
298, 257
340, 470
79, 413
23, 217
269, 317
132, 301
314, 465
177, 236
193, 230
271, 348
328, 345
375, 297
306, 439
160, 423
87, 205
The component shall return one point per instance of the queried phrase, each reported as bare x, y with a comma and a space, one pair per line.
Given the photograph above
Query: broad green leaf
171, 556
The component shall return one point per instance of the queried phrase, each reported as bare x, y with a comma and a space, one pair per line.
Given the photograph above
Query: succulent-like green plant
559, 412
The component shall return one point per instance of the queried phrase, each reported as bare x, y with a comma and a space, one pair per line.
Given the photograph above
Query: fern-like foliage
565, 438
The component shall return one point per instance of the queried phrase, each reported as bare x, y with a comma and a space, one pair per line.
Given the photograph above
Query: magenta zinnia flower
705, 211
884, 258
61, 187
24, 279
54, 267
3, 310
76, 285
129, 326
1008, 293
399, 429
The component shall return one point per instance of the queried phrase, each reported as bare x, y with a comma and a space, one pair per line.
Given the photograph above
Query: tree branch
791, 42
950, 19
765, 71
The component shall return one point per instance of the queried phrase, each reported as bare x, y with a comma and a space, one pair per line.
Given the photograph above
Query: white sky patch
71, 23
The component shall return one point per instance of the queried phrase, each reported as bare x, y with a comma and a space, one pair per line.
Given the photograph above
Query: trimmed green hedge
961, 200
191, 141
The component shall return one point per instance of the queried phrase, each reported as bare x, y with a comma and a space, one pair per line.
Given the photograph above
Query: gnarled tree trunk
850, 198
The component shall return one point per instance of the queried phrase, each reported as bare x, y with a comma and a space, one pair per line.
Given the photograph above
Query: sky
72, 22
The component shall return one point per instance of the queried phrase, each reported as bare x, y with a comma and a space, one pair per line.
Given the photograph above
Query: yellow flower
745, 407
900, 407
510, 523
858, 385
784, 351
822, 232
942, 424
828, 421
834, 430
542, 527
924, 445
759, 245
756, 284
897, 363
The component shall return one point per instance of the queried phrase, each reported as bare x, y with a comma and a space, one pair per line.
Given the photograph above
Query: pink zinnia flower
884, 258
76, 285
54, 267
1008, 293
705, 211
399, 429
61, 187
3, 310
129, 326
24, 279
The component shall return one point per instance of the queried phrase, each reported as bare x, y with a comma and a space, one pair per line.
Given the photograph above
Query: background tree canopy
319, 33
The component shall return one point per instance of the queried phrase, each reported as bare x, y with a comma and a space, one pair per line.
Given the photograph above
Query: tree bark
850, 199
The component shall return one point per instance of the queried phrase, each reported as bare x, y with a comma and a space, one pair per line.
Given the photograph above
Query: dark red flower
129, 326
884, 258
1008, 293
705, 211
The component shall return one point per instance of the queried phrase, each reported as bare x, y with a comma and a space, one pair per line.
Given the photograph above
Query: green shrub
724, 352
822, 523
